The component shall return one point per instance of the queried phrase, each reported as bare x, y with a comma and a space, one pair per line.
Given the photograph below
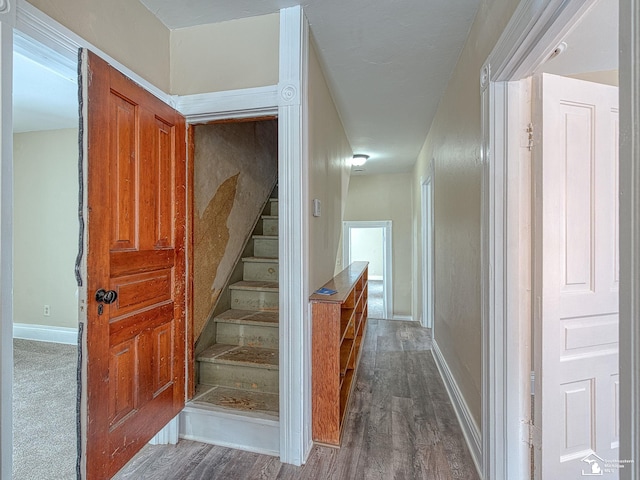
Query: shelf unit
339, 322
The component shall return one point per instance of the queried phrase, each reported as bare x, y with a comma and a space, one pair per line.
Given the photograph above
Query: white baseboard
469, 427
46, 333
405, 318
218, 427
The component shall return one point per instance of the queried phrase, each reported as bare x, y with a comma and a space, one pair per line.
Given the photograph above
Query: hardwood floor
400, 426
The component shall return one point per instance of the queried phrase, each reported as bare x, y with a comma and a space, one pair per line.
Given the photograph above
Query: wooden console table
338, 327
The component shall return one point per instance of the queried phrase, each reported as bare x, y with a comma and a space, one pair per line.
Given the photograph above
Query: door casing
387, 275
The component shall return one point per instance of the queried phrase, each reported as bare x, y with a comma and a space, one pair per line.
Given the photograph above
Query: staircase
236, 402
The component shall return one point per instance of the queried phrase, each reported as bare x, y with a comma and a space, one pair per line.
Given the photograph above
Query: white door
575, 278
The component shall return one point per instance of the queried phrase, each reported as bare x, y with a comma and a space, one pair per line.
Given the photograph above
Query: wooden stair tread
247, 356
249, 317
269, 217
255, 286
238, 399
260, 259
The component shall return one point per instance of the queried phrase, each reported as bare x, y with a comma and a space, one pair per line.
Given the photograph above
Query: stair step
260, 269
254, 295
249, 317
269, 225
265, 246
253, 328
273, 206
239, 400
247, 368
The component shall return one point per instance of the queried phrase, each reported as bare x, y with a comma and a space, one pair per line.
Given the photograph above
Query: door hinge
535, 436
529, 136
532, 377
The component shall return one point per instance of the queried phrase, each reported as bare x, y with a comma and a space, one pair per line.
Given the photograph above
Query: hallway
401, 425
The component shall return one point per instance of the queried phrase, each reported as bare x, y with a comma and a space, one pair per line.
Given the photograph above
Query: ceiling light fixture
359, 159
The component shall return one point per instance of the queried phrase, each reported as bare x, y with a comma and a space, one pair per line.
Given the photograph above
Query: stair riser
265, 247
274, 208
261, 272
247, 335
239, 376
253, 300
270, 226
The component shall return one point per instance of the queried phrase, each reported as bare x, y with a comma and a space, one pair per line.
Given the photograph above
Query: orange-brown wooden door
135, 346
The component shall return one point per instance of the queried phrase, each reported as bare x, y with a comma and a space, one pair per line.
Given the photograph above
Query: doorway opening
45, 245
370, 241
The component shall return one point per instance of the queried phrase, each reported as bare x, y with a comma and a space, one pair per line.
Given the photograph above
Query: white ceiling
387, 62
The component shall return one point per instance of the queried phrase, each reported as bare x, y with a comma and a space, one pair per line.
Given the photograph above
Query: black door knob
106, 296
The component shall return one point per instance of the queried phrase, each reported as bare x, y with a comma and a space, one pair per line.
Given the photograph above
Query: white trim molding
46, 333
293, 167
427, 210
169, 433
532, 33
243, 103
6, 251
629, 75
469, 426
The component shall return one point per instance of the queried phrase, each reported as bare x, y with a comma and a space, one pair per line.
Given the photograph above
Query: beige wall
124, 29
329, 151
454, 142
45, 227
388, 197
225, 56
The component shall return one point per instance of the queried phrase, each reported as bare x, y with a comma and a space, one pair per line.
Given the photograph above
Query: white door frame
534, 30
288, 100
428, 259
387, 253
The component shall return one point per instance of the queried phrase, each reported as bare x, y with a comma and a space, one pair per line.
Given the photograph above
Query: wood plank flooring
400, 426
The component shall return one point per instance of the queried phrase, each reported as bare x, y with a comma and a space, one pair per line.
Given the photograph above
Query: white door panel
575, 275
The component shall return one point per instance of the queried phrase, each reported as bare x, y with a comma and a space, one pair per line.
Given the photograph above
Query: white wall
367, 245
388, 197
45, 227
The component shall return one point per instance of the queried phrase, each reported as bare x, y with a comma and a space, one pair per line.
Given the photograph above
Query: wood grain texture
400, 425
335, 340
136, 228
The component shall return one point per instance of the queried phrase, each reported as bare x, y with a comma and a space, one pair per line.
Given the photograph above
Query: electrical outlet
47, 311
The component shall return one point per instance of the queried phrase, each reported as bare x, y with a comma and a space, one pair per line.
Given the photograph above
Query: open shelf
338, 327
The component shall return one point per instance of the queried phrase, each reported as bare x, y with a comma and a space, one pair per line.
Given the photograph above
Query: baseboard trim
405, 318
469, 427
46, 333
242, 432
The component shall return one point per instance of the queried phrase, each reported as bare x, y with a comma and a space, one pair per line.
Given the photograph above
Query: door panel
136, 229
575, 274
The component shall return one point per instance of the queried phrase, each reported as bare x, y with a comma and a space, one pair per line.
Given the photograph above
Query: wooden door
576, 277
135, 346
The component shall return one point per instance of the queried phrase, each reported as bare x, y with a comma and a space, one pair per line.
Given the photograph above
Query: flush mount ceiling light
359, 159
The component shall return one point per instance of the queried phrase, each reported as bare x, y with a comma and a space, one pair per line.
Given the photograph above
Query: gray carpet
44, 411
